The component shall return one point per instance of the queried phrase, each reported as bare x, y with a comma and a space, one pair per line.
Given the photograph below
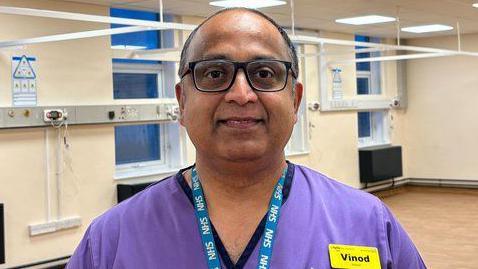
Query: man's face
240, 124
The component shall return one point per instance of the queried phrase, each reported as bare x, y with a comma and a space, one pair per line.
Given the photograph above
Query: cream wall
69, 72
333, 136
440, 126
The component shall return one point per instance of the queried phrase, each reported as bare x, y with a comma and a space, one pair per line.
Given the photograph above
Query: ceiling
321, 14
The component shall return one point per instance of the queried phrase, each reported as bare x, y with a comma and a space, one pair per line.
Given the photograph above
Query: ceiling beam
72, 36
93, 18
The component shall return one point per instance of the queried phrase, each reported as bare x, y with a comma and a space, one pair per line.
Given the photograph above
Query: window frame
135, 169
150, 168
379, 119
300, 133
362, 102
367, 75
141, 68
172, 139
165, 164
379, 129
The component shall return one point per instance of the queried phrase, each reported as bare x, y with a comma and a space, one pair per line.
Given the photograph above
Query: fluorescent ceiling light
370, 19
247, 3
475, 5
427, 28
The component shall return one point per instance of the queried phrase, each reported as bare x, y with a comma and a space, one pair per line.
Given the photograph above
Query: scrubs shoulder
154, 229
329, 212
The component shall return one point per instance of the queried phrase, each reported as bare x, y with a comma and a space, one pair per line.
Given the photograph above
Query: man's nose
240, 91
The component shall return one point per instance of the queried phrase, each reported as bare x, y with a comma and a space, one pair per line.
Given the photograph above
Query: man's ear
298, 92
180, 97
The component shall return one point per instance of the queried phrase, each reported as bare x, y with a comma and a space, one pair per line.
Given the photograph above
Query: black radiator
125, 191
380, 163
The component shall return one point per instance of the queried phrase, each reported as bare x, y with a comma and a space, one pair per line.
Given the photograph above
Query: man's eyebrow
225, 57
215, 57
266, 57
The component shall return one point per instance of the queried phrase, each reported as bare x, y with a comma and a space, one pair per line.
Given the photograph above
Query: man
242, 205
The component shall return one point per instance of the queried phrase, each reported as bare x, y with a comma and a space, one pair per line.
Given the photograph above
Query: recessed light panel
475, 5
370, 19
247, 3
427, 28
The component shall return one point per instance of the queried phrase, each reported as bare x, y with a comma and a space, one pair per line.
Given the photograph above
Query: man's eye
263, 74
214, 74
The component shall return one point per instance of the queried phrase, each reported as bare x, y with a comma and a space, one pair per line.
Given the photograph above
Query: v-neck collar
256, 237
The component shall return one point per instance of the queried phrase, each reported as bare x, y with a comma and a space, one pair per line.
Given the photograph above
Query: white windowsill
146, 172
374, 145
298, 153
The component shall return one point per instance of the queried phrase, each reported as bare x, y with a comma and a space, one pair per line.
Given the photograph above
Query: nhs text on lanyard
265, 252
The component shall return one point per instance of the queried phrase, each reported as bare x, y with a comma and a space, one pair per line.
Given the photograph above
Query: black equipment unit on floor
380, 163
125, 191
2, 236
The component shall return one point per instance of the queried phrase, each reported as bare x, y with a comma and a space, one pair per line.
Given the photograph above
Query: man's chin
244, 154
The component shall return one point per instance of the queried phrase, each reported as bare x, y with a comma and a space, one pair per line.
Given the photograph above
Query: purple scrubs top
157, 228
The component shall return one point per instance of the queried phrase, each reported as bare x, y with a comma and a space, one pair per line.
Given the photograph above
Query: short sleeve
404, 254
83, 256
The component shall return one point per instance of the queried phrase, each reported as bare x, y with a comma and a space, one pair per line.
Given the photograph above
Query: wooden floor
442, 222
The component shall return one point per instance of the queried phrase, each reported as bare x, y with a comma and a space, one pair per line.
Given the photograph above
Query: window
372, 125
373, 128
368, 73
299, 140
137, 40
143, 149
137, 143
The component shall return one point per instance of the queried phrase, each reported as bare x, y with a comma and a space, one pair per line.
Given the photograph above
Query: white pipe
161, 11
292, 16
321, 40
157, 51
71, 36
398, 25
59, 164
458, 33
340, 52
394, 58
47, 177
370, 50
168, 55
93, 18
178, 26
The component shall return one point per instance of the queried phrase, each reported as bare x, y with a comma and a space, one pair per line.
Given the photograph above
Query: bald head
229, 23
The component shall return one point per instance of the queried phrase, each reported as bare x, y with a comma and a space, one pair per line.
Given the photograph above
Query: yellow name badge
354, 257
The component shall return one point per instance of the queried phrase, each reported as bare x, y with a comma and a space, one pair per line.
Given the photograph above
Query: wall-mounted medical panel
25, 117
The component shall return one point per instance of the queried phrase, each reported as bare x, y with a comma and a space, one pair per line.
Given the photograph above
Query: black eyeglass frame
237, 66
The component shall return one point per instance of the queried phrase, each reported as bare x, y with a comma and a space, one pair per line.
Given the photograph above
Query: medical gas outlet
54, 115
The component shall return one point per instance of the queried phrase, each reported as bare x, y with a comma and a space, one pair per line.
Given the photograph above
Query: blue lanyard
202, 215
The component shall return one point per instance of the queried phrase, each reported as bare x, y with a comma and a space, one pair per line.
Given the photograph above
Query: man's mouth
240, 123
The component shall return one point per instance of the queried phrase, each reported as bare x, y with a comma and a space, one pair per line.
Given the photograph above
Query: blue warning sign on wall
24, 86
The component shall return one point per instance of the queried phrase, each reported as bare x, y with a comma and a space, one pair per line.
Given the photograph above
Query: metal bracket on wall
28, 117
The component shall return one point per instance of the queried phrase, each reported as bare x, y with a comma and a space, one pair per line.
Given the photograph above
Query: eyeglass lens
217, 75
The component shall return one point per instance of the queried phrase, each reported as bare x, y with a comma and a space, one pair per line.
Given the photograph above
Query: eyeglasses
219, 75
